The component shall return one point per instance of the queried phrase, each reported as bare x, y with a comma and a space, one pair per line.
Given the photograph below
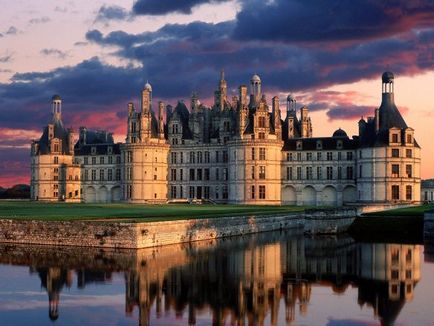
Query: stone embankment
138, 235
118, 234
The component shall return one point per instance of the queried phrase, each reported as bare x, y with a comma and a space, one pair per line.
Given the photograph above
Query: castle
238, 151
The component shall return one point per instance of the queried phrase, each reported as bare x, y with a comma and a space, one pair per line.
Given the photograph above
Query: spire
388, 114
222, 74
56, 107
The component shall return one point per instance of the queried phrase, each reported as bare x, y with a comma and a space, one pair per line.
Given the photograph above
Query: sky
97, 55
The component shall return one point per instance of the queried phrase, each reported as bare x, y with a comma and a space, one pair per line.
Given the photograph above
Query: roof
327, 143
59, 132
340, 133
100, 149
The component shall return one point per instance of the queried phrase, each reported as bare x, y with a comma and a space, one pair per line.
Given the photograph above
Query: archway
329, 196
349, 195
289, 195
309, 196
90, 195
102, 195
116, 194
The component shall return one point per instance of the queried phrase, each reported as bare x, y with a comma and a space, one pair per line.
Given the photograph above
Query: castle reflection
241, 281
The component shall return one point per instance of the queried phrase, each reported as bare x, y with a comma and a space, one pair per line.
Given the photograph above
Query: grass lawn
27, 210
409, 211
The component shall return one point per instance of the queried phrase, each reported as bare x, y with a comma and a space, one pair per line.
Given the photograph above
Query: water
276, 278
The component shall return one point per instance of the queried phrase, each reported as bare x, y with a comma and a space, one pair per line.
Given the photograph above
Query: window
395, 152
225, 174
298, 156
173, 174
191, 192
395, 192
262, 172
318, 156
191, 174
262, 154
86, 160
349, 156
173, 191
181, 174
408, 170
289, 173
394, 138
192, 157
408, 192
408, 153
199, 174
309, 156
409, 139
206, 174
109, 174
225, 156
253, 172
329, 173
110, 159
101, 160
93, 175
339, 156
206, 192
118, 174
339, 172
93, 160
261, 135
319, 172
118, 160
199, 157
175, 128
56, 160
173, 158
206, 157
261, 122
290, 157
298, 172
225, 192
395, 170
253, 192
329, 156
309, 173
261, 192
349, 172
253, 153
360, 171
217, 174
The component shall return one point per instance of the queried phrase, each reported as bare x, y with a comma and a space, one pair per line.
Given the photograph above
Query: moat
271, 278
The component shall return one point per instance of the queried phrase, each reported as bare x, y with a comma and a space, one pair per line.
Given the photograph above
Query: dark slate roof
184, 115
429, 183
59, 132
98, 137
340, 133
328, 143
101, 149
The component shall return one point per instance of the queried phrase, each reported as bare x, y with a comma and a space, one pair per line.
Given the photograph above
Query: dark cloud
12, 31
6, 58
54, 52
107, 13
41, 20
325, 21
163, 7
80, 43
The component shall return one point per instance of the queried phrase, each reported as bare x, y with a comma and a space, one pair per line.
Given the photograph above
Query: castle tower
56, 106
146, 120
291, 115
277, 118
255, 89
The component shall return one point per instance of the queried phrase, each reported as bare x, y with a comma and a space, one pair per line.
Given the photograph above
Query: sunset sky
98, 54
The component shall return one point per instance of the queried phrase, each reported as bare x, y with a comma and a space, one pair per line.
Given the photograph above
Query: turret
276, 117
243, 95
291, 107
56, 106
160, 120
255, 88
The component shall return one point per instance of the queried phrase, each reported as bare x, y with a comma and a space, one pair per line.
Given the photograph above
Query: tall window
253, 153
93, 160
409, 139
394, 138
262, 154
101, 174
329, 156
309, 173
395, 152
289, 173
261, 192
173, 191
408, 192
101, 160
93, 175
199, 174
349, 172
339, 172
349, 156
217, 174
395, 192
109, 174
329, 173
173, 175
298, 172
253, 172
262, 172
199, 157
318, 156
207, 157
319, 172
409, 170
253, 192
118, 174
192, 157
56, 160
191, 174
395, 170
309, 156
261, 122
408, 153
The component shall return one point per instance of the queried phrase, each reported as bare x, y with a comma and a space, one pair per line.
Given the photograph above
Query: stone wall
138, 235
428, 226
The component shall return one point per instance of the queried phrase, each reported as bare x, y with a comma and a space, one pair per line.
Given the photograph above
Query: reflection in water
241, 281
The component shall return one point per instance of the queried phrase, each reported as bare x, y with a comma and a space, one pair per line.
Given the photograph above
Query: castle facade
238, 151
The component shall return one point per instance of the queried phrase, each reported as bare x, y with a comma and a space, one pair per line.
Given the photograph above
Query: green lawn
65, 211
409, 211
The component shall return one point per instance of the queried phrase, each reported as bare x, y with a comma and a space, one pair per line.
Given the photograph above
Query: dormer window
175, 128
93, 150
319, 144
299, 145
409, 139
394, 138
339, 144
110, 150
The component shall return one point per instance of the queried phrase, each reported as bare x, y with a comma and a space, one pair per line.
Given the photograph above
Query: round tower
56, 107
291, 103
387, 82
255, 84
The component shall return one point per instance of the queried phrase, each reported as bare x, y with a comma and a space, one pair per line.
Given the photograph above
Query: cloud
107, 13
54, 52
80, 43
324, 21
41, 20
12, 31
163, 7
6, 58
